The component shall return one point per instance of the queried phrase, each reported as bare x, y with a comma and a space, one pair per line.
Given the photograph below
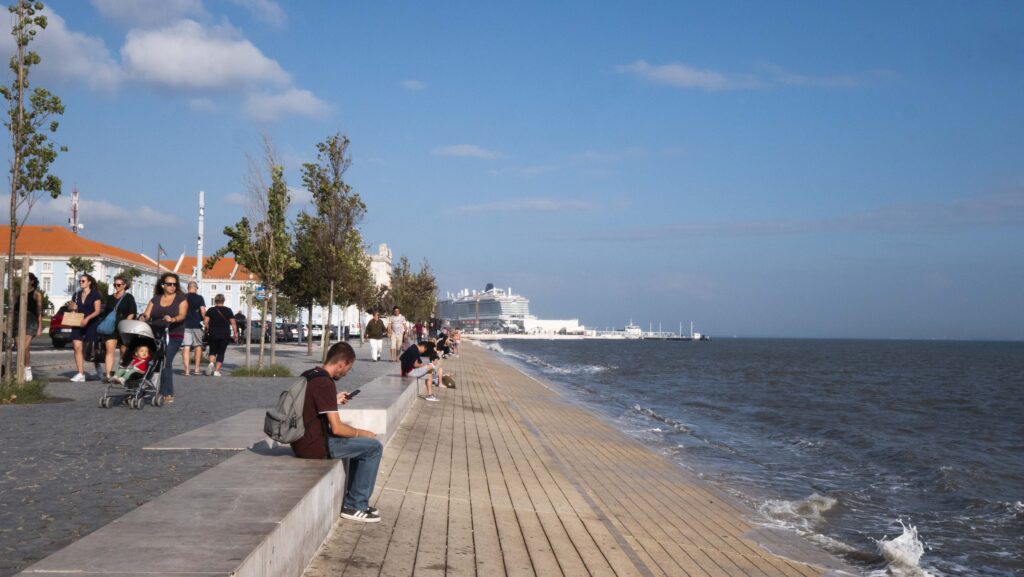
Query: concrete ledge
261, 513
255, 514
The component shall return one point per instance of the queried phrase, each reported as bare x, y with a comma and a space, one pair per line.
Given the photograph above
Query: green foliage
286, 309
81, 265
29, 393
304, 284
130, 274
30, 125
336, 239
271, 371
414, 293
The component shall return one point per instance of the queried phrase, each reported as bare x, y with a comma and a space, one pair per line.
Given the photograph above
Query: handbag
72, 319
109, 323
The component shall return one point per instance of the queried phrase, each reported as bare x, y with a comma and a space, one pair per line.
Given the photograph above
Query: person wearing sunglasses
86, 301
168, 308
121, 304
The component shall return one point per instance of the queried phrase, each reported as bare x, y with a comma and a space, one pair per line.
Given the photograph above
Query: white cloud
526, 171
685, 76
149, 12
237, 199
202, 105
189, 55
96, 213
68, 55
267, 11
300, 195
465, 151
549, 205
414, 85
293, 101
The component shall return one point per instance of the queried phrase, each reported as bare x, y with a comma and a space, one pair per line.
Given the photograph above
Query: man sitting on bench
327, 437
412, 366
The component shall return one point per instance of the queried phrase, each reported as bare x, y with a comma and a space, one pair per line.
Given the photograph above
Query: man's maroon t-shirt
321, 398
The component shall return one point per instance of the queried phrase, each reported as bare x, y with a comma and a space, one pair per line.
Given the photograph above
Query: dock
504, 477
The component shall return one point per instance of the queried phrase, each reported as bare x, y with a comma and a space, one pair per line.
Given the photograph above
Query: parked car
317, 331
60, 335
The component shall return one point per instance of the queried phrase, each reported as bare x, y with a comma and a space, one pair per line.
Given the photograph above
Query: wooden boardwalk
504, 478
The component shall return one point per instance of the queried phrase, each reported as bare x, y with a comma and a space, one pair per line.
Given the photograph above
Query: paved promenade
503, 477
67, 468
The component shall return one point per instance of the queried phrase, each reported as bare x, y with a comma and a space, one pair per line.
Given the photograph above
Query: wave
572, 369
676, 425
903, 554
803, 515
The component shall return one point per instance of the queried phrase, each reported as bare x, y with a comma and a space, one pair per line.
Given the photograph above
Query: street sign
261, 293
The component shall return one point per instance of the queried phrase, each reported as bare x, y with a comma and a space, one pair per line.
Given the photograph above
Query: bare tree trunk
17, 135
3, 296
330, 319
248, 330
273, 327
22, 322
309, 337
263, 334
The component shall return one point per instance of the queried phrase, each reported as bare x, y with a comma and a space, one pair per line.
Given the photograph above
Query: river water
902, 457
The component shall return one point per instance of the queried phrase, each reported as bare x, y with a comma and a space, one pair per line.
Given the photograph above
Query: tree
130, 274
32, 150
264, 246
81, 265
414, 293
338, 212
304, 284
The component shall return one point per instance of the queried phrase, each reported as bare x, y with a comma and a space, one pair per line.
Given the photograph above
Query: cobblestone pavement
68, 467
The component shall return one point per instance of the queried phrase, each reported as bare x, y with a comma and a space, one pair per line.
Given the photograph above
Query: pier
505, 477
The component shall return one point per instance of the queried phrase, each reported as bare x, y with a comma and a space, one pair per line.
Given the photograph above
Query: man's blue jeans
363, 454
166, 376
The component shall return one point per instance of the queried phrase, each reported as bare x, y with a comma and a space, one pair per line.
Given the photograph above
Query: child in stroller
137, 366
140, 368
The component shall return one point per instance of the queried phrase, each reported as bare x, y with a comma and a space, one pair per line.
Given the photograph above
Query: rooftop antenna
73, 223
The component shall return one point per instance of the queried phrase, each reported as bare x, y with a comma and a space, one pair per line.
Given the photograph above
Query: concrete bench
262, 512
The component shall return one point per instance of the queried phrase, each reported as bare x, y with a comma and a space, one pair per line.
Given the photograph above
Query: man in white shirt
396, 331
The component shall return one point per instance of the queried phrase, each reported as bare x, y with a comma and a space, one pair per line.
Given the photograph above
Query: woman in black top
220, 322
86, 301
33, 320
124, 303
168, 309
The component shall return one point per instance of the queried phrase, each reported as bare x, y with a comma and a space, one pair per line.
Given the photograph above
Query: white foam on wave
677, 425
575, 369
803, 515
903, 553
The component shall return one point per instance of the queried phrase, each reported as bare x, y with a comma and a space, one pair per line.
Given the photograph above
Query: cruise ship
492, 309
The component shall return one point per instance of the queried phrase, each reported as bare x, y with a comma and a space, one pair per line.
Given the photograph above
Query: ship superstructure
492, 309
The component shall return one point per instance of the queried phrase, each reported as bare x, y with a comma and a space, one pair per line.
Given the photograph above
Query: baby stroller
139, 388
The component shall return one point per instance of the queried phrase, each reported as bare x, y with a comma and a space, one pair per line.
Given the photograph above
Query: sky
790, 169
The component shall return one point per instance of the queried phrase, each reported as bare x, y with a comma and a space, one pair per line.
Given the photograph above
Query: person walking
221, 327
396, 333
375, 331
86, 301
33, 321
122, 305
167, 309
194, 328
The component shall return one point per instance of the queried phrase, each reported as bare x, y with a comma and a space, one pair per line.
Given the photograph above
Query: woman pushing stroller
168, 309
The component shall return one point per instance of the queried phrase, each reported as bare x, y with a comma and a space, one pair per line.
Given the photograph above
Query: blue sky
763, 169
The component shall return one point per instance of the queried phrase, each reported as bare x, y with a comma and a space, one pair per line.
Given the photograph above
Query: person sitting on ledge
327, 437
412, 366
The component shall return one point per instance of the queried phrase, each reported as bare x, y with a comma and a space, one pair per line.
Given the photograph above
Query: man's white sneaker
430, 398
359, 515
216, 373
28, 373
209, 369
79, 378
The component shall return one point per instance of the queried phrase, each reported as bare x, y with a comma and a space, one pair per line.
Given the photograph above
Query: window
227, 288
47, 266
46, 282
213, 287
